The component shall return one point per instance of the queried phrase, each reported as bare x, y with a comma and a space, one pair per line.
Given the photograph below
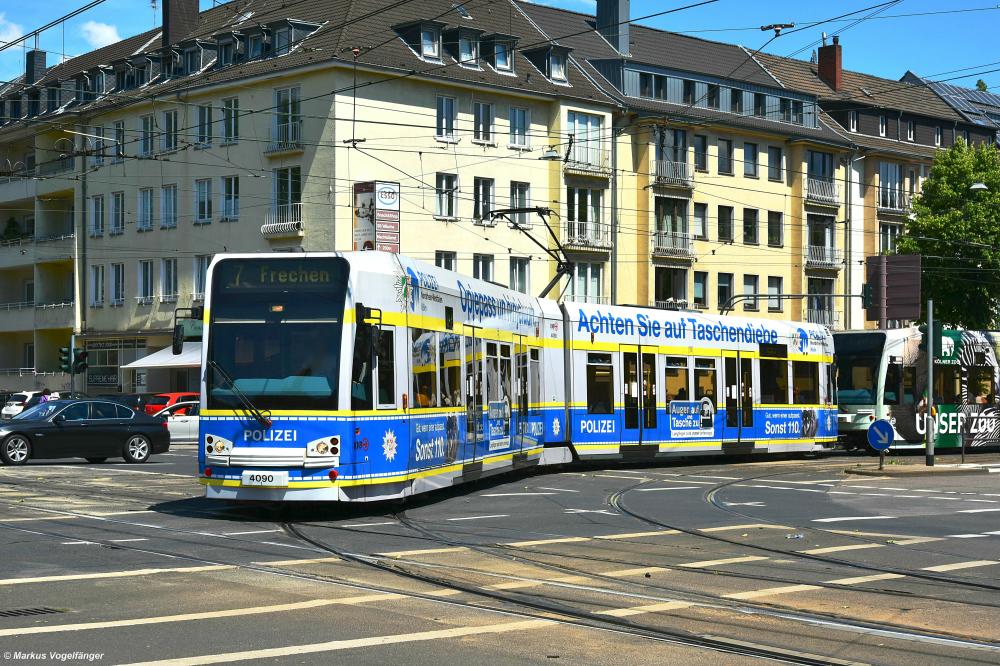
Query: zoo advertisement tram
368, 376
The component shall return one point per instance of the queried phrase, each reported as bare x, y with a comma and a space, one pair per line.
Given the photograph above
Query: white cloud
8, 29
99, 34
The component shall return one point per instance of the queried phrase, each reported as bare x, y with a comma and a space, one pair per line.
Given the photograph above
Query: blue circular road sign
880, 435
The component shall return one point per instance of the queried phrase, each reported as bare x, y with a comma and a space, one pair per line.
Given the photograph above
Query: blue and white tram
369, 376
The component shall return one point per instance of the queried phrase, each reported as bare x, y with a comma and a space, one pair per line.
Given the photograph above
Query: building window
117, 213
482, 267
965, 136
168, 206
882, 125
288, 194
852, 120
660, 87
287, 116
774, 289
688, 92
750, 284
255, 46
519, 274
282, 41
518, 127
586, 283
557, 66
97, 285
201, 262
230, 120
168, 279
750, 160
203, 201
700, 152
670, 287
446, 185
760, 105
583, 215
645, 84
725, 224
230, 198
889, 237
937, 136
774, 163
785, 109
97, 154
445, 260
144, 216
468, 52
798, 115
820, 166
482, 115
700, 289
204, 135
671, 224
726, 156
169, 129
713, 96
775, 229
735, 100
430, 43
117, 284
119, 140
520, 197
501, 53
192, 60
144, 286
700, 229
146, 135
445, 118
227, 51
750, 226
724, 290
482, 199
910, 130
97, 216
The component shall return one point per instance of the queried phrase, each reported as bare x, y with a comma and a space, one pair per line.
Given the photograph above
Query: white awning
190, 357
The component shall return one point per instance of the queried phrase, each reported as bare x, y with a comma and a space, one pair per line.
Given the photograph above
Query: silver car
182, 422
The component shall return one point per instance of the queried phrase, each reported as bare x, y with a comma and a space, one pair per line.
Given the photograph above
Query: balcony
55, 166
57, 314
825, 317
893, 202
13, 189
587, 236
672, 244
584, 161
57, 247
17, 316
17, 252
283, 221
678, 174
671, 304
824, 256
285, 138
822, 191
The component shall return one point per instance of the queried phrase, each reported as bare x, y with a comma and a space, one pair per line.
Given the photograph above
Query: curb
914, 470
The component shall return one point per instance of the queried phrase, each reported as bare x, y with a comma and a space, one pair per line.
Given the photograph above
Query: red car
163, 400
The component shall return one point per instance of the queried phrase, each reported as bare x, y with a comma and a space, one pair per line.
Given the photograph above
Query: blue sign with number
881, 435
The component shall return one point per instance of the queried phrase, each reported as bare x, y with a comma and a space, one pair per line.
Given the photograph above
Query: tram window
704, 379
981, 386
424, 359
534, 379
600, 384
909, 385
805, 382
505, 374
893, 383
675, 378
361, 368
473, 377
385, 367
450, 362
492, 373
774, 382
947, 384
521, 379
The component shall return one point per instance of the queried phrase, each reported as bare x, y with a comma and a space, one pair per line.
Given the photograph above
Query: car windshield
38, 412
159, 400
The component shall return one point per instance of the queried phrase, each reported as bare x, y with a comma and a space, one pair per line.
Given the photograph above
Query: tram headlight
322, 448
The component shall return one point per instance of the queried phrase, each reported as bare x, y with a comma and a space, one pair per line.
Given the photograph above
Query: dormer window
430, 43
192, 60
504, 63
227, 53
557, 66
52, 98
282, 41
141, 75
468, 51
255, 46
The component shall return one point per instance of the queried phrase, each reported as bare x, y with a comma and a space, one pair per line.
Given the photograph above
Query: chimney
180, 19
830, 64
34, 66
612, 23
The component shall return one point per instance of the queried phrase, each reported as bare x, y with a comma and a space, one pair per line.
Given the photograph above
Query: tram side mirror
177, 344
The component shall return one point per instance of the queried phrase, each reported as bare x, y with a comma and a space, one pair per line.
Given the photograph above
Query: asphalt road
699, 562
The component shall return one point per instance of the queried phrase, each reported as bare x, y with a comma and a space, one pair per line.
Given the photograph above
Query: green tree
981, 85
957, 230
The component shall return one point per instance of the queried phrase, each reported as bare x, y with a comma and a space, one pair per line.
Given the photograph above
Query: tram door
519, 406
473, 395
739, 394
639, 384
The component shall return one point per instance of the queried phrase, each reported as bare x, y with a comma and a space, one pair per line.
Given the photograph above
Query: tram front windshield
275, 330
859, 356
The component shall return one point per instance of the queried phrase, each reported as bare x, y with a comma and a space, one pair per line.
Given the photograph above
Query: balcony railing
822, 190
672, 244
588, 161
59, 165
893, 201
285, 137
587, 235
673, 173
283, 220
17, 306
824, 316
824, 256
671, 304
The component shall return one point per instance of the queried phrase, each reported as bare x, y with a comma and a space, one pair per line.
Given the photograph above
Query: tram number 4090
265, 479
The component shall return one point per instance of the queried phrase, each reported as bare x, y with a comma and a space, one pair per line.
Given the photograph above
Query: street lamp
550, 154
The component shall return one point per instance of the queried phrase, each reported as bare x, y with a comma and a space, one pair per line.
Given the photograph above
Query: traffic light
80, 361
65, 359
868, 296
937, 334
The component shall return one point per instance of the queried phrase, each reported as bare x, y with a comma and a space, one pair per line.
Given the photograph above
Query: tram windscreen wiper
247, 407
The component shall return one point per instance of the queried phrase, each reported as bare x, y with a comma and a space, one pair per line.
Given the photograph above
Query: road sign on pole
880, 437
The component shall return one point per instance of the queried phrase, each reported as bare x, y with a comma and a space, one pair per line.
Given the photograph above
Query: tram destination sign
901, 297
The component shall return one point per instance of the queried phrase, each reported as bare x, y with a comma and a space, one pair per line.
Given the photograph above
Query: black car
91, 429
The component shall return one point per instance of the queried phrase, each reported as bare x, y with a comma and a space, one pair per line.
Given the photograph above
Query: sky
939, 39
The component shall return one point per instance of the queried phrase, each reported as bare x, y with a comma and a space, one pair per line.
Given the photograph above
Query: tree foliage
957, 230
981, 85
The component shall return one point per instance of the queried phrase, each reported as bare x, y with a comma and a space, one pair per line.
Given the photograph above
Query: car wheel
136, 449
96, 460
16, 450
